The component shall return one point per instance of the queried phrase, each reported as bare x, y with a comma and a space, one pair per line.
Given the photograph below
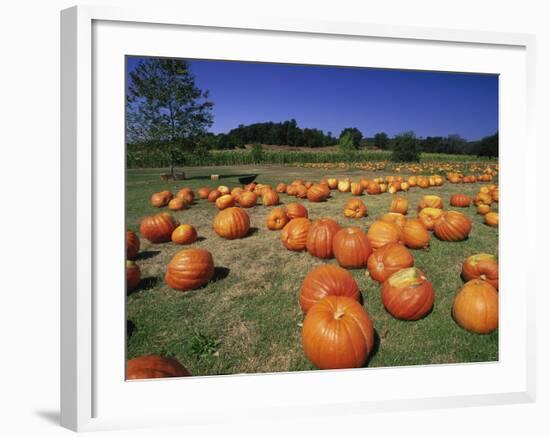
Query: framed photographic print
280, 218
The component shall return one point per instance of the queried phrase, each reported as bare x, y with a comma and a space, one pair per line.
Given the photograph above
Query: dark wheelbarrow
247, 179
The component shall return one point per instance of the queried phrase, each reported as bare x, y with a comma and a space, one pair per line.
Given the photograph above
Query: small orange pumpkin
399, 205
355, 208
430, 201
491, 219
428, 217
351, 247
475, 307
407, 294
277, 219
270, 198
184, 234
225, 201
177, 204
158, 228
214, 195
415, 234
460, 200
190, 269
295, 210
247, 199
387, 260
481, 266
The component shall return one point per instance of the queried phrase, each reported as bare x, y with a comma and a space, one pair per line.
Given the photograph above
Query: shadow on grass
222, 176
375, 348
130, 328
145, 284
146, 254
220, 273
251, 232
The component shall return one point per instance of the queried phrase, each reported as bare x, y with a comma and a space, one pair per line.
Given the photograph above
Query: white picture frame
93, 393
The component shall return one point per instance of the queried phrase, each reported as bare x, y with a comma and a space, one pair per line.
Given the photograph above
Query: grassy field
248, 319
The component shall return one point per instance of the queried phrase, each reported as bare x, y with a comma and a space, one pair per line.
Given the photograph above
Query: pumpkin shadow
375, 347
147, 254
145, 284
251, 232
220, 273
199, 239
130, 328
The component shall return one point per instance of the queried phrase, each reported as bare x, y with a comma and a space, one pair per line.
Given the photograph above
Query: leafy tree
164, 105
488, 146
355, 134
405, 148
346, 144
257, 153
381, 140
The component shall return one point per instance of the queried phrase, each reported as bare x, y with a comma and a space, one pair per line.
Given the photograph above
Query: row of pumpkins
330, 290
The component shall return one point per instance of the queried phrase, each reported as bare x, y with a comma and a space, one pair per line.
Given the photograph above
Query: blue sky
333, 98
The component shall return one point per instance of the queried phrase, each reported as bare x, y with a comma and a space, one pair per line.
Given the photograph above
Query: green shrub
257, 153
405, 148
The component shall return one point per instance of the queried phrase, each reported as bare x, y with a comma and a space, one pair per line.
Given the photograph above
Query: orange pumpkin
295, 210
381, 233
158, 200
356, 188
332, 183
320, 236
132, 245
491, 219
133, 275
337, 333
214, 195
387, 260
483, 209
232, 223
407, 294
317, 193
277, 219
355, 208
184, 234
280, 188
270, 198
373, 188
452, 226
177, 204
158, 228
154, 366
327, 280
396, 218
481, 266
294, 234
203, 192
190, 269
460, 200
225, 201
428, 217
430, 201
475, 307
483, 199
344, 185
247, 199
236, 193
399, 205
223, 189
187, 195
351, 247
415, 234
300, 191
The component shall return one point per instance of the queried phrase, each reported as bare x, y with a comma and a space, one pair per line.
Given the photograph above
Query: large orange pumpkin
355, 208
452, 226
481, 266
133, 275
270, 198
351, 247
295, 210
154, 366
475, 307
415, 234
428, 217
381, 233
247, 199
430, 201
294, 234
132, 245
158, 228
491, 219
184, 234
320, 236
407, 294
327, 280
337, 333
232, 223
277, 219
399, 205
460, 200
387, 260
190, 269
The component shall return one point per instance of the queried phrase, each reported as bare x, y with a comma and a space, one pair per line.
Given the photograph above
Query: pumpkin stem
339, 314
